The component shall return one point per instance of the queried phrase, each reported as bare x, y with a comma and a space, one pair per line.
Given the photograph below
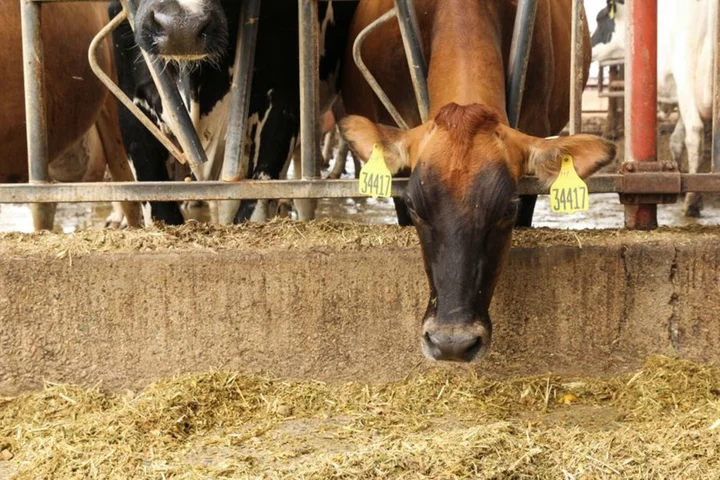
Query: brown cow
466, 161
83, 131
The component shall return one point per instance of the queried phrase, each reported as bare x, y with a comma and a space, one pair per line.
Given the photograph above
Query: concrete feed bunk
336, 301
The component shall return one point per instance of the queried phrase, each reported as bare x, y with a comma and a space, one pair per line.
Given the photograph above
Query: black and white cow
196, 40
686, 44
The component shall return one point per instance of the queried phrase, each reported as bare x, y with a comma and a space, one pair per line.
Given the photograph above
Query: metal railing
232, 186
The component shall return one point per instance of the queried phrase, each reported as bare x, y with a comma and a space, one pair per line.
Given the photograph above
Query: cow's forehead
464, 150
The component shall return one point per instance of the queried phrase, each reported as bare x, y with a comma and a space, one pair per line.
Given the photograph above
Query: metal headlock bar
177, 114
240, 97
638, 184
404, 11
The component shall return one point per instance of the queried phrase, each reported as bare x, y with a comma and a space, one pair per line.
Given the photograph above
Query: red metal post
641, 100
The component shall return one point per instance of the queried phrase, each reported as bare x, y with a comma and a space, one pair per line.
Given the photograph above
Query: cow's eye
410, 205
408, 201
411, 209
511, 210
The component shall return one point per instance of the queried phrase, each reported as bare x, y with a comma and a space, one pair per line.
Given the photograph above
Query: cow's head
182, 30
463, 199
608, 39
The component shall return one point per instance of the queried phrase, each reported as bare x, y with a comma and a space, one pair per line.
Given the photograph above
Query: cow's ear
362, 134
589, 152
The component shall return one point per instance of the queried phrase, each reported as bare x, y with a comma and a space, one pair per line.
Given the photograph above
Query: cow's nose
179, 34
453, 343
458, 348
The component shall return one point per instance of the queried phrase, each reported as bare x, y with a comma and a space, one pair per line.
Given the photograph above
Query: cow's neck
466, 64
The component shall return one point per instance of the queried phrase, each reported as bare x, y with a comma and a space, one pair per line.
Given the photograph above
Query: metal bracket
650, 183
404, 11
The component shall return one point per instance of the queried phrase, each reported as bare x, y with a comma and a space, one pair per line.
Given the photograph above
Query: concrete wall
125, 319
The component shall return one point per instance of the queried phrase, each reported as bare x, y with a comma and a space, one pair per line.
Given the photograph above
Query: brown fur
463, 133
466, 162
467, 43
75, 98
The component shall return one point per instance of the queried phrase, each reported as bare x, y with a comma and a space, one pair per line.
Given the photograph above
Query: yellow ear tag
375, 177
569, 193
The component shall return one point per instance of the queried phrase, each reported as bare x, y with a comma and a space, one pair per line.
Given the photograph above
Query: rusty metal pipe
240, 99
34, 82
641, 100
250, 189
577, 63
643, 184
357, 56
309, 31
35, 108
412, 41
518, 63
519, 58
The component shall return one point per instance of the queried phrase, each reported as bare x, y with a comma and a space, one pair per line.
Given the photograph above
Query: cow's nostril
473, 349
161, 22
459, 348
205, 29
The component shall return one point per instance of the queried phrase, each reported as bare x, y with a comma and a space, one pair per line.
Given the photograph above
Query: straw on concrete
661, 422
283, 234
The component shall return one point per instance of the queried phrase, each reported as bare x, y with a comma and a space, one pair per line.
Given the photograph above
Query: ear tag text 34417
569, 193
375, 177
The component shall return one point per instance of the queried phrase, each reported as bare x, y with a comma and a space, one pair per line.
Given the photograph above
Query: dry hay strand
284, 234
661, 422
279, 234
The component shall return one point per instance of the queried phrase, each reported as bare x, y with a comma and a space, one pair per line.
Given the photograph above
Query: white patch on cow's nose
193, 7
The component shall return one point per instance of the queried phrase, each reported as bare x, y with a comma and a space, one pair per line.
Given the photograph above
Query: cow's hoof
693, 205
115, 222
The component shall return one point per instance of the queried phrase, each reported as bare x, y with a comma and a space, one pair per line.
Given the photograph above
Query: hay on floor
661, 422
283, 234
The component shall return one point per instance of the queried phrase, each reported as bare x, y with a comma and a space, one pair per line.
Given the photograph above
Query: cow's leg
356, 164
117, 163
341, 158
329, 141
694, 133
116, 219
273, 133
43, 215
677, 142
147, 158
686, 73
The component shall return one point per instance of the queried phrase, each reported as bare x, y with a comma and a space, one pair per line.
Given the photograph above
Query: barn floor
285, 307
662, 421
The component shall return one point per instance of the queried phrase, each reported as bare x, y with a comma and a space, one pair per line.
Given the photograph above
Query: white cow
686, 42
